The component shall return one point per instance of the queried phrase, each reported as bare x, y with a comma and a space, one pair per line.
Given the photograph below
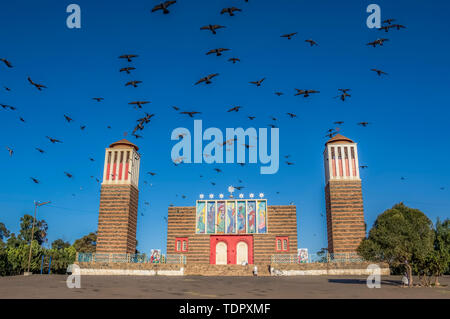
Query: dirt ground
199, 287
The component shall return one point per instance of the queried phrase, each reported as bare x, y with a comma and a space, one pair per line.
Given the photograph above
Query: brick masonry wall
345, 216
282, 221
117, 219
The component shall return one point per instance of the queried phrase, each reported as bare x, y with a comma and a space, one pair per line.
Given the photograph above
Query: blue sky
408, 109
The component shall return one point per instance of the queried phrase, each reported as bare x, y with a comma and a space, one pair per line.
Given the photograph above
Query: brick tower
119, 199
343, 196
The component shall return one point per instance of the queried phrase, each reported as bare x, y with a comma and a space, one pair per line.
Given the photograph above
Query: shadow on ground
364, 282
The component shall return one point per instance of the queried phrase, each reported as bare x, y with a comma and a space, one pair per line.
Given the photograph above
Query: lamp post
36, 205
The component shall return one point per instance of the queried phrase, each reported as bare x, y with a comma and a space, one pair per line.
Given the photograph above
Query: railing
315, 258
129, 258
175, 259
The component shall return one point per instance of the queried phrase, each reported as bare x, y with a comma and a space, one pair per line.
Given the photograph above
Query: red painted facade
231, 241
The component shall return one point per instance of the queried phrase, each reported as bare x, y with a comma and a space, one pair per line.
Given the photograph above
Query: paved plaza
200, 287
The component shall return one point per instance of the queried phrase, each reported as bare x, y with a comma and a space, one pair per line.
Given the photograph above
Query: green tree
61, 258
322, 255
60, 244
4, 265
86, 244
40, 229
4, 232
438, 261
13, 241
18, 257
401, 236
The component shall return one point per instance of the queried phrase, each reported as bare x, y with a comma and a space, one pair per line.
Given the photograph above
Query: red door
231, 241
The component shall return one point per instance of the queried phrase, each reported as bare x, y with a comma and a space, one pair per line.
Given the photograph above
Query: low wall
329, 269
307, 269
130, 269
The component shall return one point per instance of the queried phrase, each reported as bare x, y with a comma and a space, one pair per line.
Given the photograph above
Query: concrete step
224, 270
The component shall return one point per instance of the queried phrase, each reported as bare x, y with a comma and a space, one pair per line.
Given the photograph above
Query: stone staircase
224, 270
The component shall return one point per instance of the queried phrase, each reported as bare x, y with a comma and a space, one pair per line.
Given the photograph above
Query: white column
116, 167
344, 166
105, 166
356, 161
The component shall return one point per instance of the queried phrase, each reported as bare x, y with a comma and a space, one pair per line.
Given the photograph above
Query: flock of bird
164, 8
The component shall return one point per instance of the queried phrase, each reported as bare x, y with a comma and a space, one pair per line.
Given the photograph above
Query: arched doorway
221, 253
241, 252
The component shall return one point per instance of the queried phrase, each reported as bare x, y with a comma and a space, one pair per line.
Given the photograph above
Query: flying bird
7, 63
230, 11
133, 83
311, 42
82, 127
279, 93
289, 35
398, 26
251, 117
339, 122
385, 28
68, 175
292, 115
388, 21
5, 106
38, 86
379, 72
10, 151
218, 51
289, 163
191, 114
218, 170
35, 180
151, 173
163, 6
364, 124
234, 60
212, 27
377, 42
257, 83
68, 119
128, 57
207, 79
305, 93
98, 99
53, 140
138, 103
235, 109
363, 166
176, 108
40, 150
344, 94
127, 69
